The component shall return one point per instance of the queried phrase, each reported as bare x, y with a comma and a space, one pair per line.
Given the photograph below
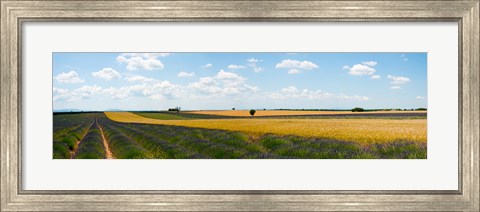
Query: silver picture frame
16, 13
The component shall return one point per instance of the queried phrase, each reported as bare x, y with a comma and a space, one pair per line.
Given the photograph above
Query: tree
358, 109
233, 108
252, 112
177, 109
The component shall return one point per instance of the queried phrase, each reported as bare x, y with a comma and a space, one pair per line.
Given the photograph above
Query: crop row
135, 141
91, 146
68, 131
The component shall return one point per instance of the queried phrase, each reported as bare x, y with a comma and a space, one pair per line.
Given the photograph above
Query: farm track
108, 153
102, 138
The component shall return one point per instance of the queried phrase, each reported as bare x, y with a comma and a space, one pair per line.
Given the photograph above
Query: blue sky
201, 81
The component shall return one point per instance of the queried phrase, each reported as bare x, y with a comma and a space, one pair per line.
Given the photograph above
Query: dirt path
108, 153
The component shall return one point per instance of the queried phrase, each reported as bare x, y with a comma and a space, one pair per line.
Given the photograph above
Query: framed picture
239, 105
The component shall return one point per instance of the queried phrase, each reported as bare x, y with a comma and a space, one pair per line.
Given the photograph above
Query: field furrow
161, 141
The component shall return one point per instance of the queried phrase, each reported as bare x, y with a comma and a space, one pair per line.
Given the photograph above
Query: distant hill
112, 110
67, 110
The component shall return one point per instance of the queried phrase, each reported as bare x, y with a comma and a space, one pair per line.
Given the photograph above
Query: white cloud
307, 65
185, 74
156, 91
420, 97
256, 68
61, 95
117, 93
253, 64
164, 90
208, 65
206, 85
69, 77
223, 84
354, 97
370, 63
86, 91
107, 74
395, 87
224, 75
139, 79
292, 92
293, 71
398, 80
235, 67
360, 70
142, 61
376, 77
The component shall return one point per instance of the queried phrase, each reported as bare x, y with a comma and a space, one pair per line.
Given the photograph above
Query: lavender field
94, 136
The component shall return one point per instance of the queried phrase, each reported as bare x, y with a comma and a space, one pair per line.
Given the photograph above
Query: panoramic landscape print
226, 105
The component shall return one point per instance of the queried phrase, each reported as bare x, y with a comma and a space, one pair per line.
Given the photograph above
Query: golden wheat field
363, 131
245, 113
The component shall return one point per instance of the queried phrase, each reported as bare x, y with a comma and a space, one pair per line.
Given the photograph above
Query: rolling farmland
125, 135
266, 113
355, 130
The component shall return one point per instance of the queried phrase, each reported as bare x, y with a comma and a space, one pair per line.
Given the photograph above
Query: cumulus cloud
153, 91
307, 65
292, 92
139, 79
208, 65
395, 87
235, 67
185, 74
107, 74
360, 70
117, 93
420, 97
252, 63
398, 80
61, 95
376, 77
370, 63
364, 68
354, 97
223, 84
69, 77
142, 61
293, 71
84, 92
164, 90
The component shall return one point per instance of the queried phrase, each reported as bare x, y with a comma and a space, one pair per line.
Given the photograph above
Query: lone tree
177, 109
358, 109
252, 112
233, 108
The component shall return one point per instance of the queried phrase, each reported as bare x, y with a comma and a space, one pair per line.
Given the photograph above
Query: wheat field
364, 131
258, 113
